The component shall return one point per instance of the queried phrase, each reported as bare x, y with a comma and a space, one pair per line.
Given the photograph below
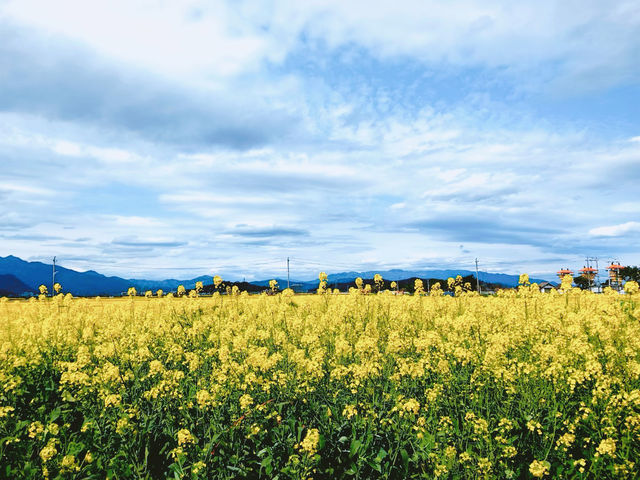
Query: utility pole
53, 276
477, 277
287, 272
594, 259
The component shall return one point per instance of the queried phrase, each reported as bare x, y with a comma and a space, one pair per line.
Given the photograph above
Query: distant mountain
35, 274
170, 284
282, 282
21, 274
398, 274
89, 283
11, 286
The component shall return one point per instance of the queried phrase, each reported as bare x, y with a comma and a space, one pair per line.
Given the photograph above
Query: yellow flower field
517, 385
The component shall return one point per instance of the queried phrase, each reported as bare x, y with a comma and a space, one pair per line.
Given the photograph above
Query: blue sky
171, 139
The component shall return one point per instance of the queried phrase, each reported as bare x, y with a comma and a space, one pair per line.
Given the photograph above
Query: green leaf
374, 464
405, 459
67, 397
75, 448
321, 442
55, 413
355, 446
267, 464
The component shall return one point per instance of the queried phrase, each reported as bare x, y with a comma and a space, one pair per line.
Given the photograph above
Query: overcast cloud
146, 138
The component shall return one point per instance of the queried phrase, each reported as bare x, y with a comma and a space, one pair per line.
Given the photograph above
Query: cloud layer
161, 140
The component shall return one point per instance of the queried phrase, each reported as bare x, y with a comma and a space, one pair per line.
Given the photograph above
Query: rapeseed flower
539, 468
185, 437
310, 443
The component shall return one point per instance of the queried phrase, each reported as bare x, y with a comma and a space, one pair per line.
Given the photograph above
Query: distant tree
630, 273
581, 282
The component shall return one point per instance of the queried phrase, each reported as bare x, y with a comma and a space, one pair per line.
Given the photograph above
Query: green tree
630, 273
581, 282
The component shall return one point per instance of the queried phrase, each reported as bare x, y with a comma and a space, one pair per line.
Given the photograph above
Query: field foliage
517, 385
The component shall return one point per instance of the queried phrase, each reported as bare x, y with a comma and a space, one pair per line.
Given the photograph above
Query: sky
155, 139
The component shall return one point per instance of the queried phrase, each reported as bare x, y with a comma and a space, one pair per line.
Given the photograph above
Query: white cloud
27, 190
398, 206
106, 155
135, 221
179, 39
616, 230
208, 41
64, 147
627, 207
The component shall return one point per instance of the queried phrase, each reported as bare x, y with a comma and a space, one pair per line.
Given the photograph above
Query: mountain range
89, 283
501, 279
19, 277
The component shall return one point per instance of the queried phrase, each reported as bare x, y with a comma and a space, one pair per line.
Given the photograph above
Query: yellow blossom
349, 411
68, 464
246, 401
35, 429
607, 447
49, 451
539, 468
310, 442
185, 437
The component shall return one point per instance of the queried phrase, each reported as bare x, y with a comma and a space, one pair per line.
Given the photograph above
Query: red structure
563, 272
614, 273
589, 273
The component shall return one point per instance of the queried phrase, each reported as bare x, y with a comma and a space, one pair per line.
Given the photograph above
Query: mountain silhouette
18, 276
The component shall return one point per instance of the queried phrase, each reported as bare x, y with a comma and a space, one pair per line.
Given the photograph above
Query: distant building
546, 287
